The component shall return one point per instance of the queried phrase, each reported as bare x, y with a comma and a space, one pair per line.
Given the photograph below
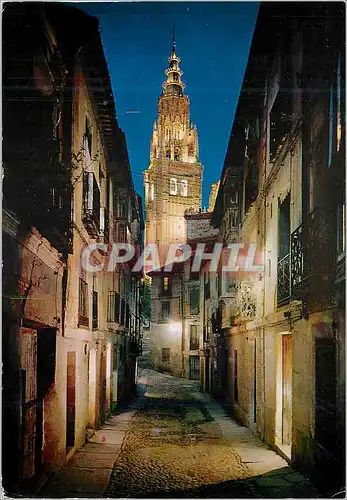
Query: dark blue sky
212, 40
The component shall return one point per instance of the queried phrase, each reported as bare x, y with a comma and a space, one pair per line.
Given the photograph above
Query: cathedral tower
173, 178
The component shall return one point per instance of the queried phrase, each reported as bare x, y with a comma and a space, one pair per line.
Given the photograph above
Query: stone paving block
101, 448
108, 437
74, 480
87, 460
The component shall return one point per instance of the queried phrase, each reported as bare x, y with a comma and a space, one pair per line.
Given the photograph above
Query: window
89, 137
177, 155
184, 188
168, 154
173, 186
113, 307
165, 354
283, 264
166, 285
95, 310
121, 237
284, 227
194, 298
193, 338
165, 311
206, 286
91, 200
83, 313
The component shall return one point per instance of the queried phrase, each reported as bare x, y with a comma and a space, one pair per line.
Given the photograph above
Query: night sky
212, 40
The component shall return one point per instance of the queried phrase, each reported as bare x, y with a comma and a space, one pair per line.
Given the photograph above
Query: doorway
194, 367
284, 393
28, 360
70, 400
253, 380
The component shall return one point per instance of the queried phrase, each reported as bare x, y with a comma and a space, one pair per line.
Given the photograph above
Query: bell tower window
173, 186
184, 187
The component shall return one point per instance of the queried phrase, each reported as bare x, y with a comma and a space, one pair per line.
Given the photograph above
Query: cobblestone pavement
182, 444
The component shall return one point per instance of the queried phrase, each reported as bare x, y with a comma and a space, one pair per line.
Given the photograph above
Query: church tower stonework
173, 178
172, 186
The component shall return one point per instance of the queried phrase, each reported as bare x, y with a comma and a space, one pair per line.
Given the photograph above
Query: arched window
233, 195
184, 187
168, 154
177, 155
173, 186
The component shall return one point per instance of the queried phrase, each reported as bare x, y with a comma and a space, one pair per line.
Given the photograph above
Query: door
194, 367
103, 386
286, 389
28, 356
71, 399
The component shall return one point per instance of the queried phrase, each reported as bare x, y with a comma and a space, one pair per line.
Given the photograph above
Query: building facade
69, 343
283, 188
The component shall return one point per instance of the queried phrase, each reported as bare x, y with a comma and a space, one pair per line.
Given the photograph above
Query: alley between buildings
174, 441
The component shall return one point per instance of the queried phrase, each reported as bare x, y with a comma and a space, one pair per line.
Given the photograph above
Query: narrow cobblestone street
174, 441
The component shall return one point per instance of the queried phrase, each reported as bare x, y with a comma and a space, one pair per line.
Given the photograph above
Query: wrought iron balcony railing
283, 280
312, 252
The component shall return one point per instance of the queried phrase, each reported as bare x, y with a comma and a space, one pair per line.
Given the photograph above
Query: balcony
313, 255
113, 307
283, 280
91, 207
83, 317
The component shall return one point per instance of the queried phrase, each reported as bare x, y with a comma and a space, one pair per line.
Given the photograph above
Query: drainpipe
265, 256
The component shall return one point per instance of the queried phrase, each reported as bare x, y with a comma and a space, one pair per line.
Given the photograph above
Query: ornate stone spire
173, 83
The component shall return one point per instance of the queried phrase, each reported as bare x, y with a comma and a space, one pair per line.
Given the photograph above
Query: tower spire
173, 83
173, 38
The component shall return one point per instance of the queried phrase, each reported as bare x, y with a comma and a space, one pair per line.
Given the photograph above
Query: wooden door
286, 389
194, 367
71, 399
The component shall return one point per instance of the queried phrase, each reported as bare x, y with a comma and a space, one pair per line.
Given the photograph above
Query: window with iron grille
95, 310
283, 264
193, 338
91, 200
165, 354
207, 287
194, 299
113, 305
127, 315
121, 236
281, 114
122, 312
83, 313
165, 311
166, 284
89, 137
